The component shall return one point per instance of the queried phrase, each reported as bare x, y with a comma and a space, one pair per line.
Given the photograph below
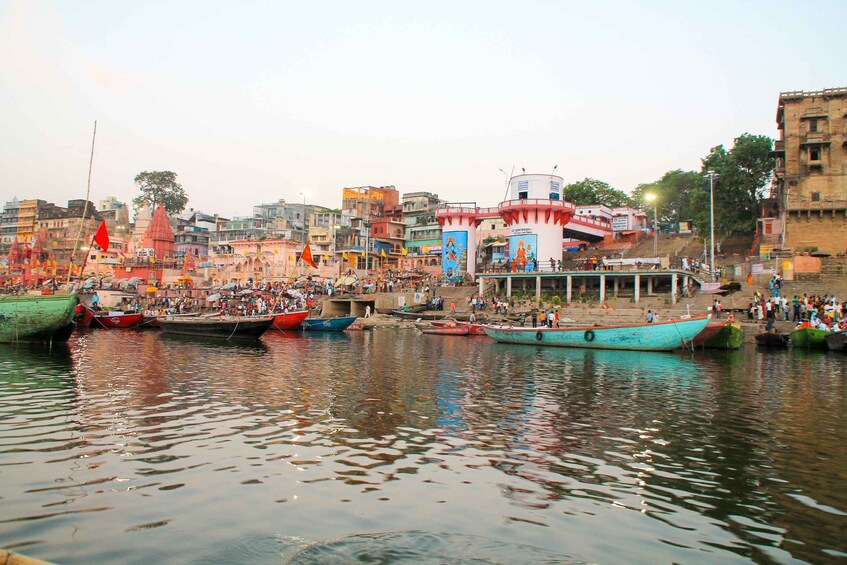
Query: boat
462, 329
227, 327
116, 319
666, 335
83, 316
289, 320
474, 328
720, 335
808, 337
772, 339
338, 324
837, 341
37, 318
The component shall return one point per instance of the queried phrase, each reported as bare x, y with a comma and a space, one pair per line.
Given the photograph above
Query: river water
392, 446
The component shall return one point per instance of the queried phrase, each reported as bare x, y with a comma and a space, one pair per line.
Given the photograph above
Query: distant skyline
252, 102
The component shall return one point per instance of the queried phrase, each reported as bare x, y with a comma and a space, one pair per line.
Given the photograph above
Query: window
813, 125
816, 197
523, 195
815, 154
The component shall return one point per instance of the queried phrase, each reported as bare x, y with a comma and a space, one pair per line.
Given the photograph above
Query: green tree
593, 191
673, 193
160, 187
743, 174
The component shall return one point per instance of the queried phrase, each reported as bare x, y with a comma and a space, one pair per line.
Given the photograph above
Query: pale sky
250, 102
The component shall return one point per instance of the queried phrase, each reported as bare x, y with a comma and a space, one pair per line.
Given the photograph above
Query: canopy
213, 297
151, 289
229, 286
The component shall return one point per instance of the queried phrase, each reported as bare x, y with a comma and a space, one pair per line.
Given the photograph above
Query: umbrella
151, 289
349, 279
229, 286
213, 297
89, 284
134, 280
246, 291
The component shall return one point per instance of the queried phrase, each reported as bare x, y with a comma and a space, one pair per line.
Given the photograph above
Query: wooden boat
772, 339
808, 337
666, 335
837, 341
116, 319
83, 316
338, 324
37, 318
720, 335
289, 320
463, 329
227, 327
474, 329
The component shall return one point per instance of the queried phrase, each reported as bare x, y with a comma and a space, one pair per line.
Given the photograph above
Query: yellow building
811, 171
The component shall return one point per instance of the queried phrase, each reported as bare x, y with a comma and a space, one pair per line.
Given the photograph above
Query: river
396, 447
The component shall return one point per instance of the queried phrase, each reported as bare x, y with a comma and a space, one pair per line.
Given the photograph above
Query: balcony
778, 149
816, 138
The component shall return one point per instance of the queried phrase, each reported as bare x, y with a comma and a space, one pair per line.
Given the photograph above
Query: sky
253, 102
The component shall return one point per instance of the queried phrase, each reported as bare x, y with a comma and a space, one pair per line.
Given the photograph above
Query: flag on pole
363, 252
306, 256
344, 255
382, 252
101, 238
403, 251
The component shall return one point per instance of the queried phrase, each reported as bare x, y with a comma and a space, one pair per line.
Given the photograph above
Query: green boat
730, 336
810, 338
37, 318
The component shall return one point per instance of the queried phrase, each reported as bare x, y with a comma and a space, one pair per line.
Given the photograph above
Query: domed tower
535, 215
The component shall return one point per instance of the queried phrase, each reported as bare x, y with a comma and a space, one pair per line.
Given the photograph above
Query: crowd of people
823, 312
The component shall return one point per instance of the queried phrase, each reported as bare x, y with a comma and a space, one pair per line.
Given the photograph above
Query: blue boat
657, 336
328, 324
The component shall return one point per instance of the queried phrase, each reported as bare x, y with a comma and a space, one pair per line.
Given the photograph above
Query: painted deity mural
523, 252
454, 246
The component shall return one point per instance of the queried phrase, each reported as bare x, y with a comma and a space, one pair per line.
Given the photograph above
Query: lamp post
652, 198
712, 176
305, 227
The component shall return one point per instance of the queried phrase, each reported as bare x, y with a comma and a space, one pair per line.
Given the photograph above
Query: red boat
83, 316
448, 330
473, 329
116, 319
289, 320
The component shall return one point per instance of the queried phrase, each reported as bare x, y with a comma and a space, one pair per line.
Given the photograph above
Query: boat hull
837, 341
659, 336
447, 330
226, 327
809, 338
110, 320
327, 324
289, 320
37, 318
772, 339
726, 336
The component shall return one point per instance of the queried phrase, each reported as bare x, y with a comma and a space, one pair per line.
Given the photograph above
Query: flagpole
84, 210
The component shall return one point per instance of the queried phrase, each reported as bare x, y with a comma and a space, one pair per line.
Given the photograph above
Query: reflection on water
406, 447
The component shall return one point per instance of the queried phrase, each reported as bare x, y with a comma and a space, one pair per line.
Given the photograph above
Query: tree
743, 174
593, 191
160, 187
674, 192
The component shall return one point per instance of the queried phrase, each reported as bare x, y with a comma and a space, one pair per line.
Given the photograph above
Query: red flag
306, 256
101, 238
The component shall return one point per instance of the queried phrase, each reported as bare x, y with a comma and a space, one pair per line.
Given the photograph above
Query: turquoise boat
327, 324
809, 338
37, 318
657, 336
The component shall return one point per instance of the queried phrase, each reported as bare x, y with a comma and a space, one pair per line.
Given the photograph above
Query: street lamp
712, 175
654, 199
305, 227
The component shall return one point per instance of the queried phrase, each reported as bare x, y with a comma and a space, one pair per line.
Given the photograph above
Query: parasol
229, 286
245, 291
213, 297
151, 289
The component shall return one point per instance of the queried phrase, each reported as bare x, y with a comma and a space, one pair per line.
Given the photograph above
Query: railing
546, 202
803, 93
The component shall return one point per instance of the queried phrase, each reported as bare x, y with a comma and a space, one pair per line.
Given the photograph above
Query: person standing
95, 302
368, 311
650, 316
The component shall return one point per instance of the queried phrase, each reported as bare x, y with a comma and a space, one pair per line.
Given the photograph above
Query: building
423, 233
810, 184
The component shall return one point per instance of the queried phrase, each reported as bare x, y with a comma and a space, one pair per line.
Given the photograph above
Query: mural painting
522, 252
453, 250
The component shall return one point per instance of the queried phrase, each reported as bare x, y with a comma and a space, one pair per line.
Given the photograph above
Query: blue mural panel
453, 245
523, 252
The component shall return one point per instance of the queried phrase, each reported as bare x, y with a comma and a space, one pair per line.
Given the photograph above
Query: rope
233, 330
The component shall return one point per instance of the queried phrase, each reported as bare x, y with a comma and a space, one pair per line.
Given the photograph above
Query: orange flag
306, 256
101, 238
